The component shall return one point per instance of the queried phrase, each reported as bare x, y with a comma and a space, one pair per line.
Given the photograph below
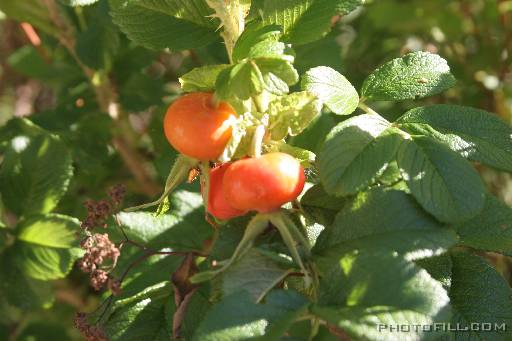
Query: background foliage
64, 64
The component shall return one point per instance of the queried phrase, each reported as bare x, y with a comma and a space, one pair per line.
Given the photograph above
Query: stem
232, 17
367, 109
257, 141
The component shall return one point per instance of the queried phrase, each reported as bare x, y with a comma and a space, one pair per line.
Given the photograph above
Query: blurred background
76, 74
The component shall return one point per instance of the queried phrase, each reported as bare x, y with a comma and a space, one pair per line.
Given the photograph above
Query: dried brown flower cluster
90, 333
100, 253
99, 211
99, 249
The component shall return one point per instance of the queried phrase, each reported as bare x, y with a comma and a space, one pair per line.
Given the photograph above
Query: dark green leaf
384, 220
416, 75
302, 21
102, 34
443, 182
175, 24
475, 134
254, 273
35, 173
356, 152
237, 317
171, 230
374, 300
144, 316
479, 295
491, 230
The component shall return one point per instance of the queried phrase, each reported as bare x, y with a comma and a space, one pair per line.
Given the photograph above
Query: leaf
439, 267
237, 317
103, 35
320, 205
347, 6
201, 78
332, 88
20, 290
312, 138
416, 75
479, 295
170, 230
305, 157
251, 36
251, 77
254, 273
443, 182
356, 152
491, 230
387, 220
302, 21
374, 301
474, 133
46, 246
174, 24
35, 173
144, 316
291, 114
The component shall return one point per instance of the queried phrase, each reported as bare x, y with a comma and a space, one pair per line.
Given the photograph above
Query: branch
124, 139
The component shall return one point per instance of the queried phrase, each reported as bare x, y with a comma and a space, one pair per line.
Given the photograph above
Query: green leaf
479, 295
305, 157
251, 36
103, 35
35, 173
356, 152
254, 273
439, 267
302, 21
313, 137
387, 220
291, 114
476, 134
46, 246
373, 300
251, 77
443, 182
416, 75
320, 205
201, 78
347, 6
491, 230
170, 230
237, 317
332, 88
144, 316
20, 290
174, 24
